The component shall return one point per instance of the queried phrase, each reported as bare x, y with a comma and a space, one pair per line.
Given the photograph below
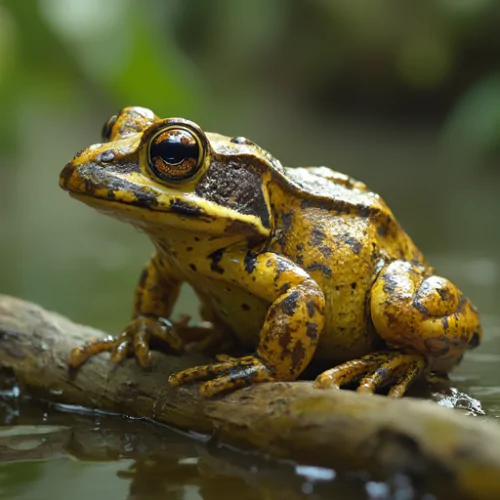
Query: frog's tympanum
290, 264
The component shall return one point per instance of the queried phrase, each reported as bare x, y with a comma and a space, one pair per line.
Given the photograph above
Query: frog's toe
401, 369
80, 354
228, 375
348, 371
135, 339
375, 371
198, 373
412, 371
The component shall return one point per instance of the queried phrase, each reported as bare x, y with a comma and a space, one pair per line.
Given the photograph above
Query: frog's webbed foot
135, 339
228, 374
376, 370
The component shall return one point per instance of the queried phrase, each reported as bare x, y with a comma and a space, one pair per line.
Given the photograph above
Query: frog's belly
242, 313
347, 333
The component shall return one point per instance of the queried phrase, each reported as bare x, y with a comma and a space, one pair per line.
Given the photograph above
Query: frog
292, 266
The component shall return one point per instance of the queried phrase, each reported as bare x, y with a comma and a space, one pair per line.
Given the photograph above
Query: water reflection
139, 460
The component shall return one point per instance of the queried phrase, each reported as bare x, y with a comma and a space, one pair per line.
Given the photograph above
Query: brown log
339, 429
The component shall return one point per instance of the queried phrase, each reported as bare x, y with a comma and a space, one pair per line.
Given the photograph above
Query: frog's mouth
129, 195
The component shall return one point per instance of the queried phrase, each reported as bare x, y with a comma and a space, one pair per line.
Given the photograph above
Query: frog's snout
65, 175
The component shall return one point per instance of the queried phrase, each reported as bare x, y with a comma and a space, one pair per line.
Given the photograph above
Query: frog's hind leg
375, 371
426, 323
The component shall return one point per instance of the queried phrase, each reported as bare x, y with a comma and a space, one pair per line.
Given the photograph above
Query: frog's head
167, 172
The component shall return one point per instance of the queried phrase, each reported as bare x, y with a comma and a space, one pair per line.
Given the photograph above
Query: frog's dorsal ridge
330, 189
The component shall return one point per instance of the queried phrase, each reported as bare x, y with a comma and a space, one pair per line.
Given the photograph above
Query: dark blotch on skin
364, 210
193, 267
311, 330
216, 258
284, 340
289, 304
144, 199
354, 285
419, 306
287, 219
311, 307
352, 242
249, 262
298, 353
185, 208
317, 237
320, 267
390, 283
144, 277
445, 323
245, 307
286, 224
384, 226
474, 341
236, 185
443, 293
326, 251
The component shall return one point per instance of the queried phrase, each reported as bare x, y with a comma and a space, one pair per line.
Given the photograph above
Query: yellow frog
290, 264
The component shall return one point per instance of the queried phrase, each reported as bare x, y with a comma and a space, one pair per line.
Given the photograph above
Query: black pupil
176, 148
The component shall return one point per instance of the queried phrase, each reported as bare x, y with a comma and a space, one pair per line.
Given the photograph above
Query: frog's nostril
106, 156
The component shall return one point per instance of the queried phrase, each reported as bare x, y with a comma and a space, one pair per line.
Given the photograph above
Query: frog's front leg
426, 323
290, 332
154, 299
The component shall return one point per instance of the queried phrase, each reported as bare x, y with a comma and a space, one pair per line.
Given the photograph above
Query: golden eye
107, 129
175, 154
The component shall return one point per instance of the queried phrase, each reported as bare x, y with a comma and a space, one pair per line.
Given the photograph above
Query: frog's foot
228, 374
134, 340
375, 371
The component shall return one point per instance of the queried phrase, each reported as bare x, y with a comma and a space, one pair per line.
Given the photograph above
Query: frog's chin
181, 215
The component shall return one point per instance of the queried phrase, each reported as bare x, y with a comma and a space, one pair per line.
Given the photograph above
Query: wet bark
339, 429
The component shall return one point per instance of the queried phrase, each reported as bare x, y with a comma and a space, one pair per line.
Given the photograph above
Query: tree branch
339, 429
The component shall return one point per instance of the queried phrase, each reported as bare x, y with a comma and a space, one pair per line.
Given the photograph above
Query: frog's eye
107, 129
175, 154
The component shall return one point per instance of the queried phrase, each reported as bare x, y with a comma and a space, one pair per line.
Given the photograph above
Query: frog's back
339, 195
340, 232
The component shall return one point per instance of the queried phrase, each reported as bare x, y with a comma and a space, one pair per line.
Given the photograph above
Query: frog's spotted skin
289, 264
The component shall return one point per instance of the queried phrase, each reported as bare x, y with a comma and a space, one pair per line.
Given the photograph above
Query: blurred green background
403, 95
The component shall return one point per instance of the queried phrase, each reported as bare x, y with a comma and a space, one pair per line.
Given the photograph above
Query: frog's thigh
424, 314
425, 321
